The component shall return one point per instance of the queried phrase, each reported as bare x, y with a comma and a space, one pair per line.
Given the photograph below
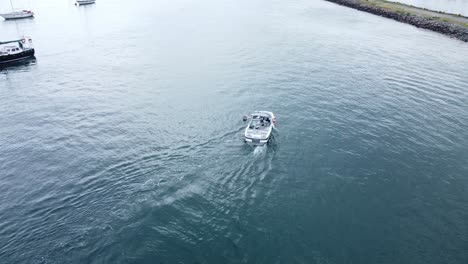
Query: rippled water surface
122, 142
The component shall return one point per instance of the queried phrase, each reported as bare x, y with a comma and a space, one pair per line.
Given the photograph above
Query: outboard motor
245, 118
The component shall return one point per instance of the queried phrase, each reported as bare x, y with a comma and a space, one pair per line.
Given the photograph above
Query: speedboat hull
260, 128
256, 142
25, 54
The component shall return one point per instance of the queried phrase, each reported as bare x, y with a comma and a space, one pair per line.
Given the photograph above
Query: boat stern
256, 142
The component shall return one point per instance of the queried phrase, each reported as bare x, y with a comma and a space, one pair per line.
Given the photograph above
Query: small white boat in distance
85, 2
18, 14
259, 130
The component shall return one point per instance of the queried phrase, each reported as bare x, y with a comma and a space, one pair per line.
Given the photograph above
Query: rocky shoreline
434, 23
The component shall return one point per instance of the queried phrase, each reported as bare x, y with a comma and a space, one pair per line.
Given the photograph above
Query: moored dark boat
18, 50
85, 2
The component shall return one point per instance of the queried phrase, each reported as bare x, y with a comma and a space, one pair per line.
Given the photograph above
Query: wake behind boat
16, 50
259, 130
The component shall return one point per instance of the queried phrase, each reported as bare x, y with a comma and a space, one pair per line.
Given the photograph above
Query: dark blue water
122, 142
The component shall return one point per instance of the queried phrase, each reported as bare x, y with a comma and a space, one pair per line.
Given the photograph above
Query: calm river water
122, 142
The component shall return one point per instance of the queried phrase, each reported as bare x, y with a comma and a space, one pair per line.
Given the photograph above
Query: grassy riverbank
412, 10
452, 25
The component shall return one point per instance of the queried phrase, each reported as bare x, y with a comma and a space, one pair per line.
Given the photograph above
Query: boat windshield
259, 122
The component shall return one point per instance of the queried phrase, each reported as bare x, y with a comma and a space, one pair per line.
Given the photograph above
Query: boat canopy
22, 42
11, 41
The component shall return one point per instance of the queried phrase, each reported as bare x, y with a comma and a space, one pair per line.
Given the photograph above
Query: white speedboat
11, 53
18, 14
85, 2
260, 127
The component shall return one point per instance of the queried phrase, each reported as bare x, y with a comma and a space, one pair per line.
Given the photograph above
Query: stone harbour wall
433, 23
